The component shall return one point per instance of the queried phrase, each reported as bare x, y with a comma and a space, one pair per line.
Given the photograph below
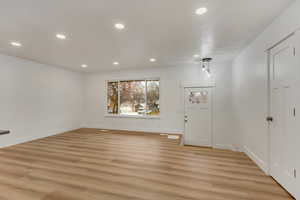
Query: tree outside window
133, 97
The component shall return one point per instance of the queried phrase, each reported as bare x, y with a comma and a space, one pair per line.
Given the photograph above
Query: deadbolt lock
270, 119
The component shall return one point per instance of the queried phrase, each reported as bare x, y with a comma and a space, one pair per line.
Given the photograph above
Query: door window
198, 97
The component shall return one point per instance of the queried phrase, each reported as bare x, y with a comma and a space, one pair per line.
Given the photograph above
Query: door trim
212, 89
269, 75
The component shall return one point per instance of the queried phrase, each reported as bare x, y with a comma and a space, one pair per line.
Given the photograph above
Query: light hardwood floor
92, 164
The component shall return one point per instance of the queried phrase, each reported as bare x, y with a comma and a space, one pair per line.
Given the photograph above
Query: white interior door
284, 127
198, 113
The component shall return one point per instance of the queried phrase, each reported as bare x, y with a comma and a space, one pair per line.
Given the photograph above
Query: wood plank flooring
90, 164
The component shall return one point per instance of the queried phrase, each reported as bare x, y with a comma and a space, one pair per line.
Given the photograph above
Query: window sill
132, 116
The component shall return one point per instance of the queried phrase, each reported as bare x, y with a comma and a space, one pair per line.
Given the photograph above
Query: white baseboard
36, 137
224, 146
261, 164
238, 148
166, 131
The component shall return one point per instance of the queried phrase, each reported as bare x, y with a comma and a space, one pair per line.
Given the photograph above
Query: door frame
269, 95
212, 90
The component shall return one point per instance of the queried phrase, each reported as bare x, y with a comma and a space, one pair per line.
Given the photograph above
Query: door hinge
294, 112
294, 51
295, 173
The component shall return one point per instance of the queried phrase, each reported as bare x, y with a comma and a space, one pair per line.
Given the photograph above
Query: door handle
185, 119
270, 119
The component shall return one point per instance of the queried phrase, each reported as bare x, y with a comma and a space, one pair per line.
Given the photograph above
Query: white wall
171, 100
37, 100
250, 101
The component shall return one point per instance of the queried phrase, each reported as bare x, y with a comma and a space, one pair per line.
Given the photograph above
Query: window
133, 97
198, 97
112, 97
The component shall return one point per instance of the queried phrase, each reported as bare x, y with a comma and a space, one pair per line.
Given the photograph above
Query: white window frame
132, 116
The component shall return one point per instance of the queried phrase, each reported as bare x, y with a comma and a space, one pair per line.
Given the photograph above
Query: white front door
284, 125
198, 114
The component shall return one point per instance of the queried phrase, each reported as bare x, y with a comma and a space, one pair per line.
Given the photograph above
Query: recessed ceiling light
16, 44
152, 60
201, 11
196, 56
84, 66
61, 36
116, 63
119, 26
